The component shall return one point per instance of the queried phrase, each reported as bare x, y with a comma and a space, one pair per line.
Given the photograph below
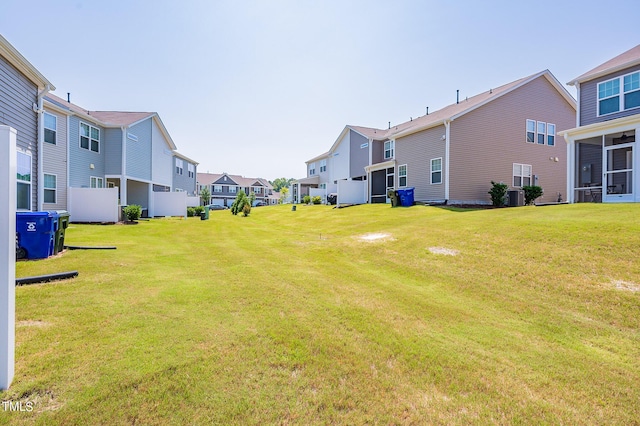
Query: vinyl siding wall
589, 100
139, 153
163, 167
17, 95
183, 181
417, 151
54, 158
80, 170
359, 158
113, 151
487, 141
377, 152
340, 160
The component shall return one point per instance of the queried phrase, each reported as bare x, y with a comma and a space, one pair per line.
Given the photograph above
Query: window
50, 188
217, 188
97, 182
191, 168
312, 169
551, 134
402, 175
531, 130
233, 189
179, 166
257, 190
89, 137
50, 128
323, 166
436, 170
388, 149
521, 175
323, 186
631, 90
609, 99
23, 167
542, 130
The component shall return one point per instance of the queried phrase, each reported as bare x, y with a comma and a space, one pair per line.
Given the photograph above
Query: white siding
340, 159
162, 166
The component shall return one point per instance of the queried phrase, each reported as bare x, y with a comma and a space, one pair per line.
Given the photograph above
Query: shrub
246, 209
191, 211
198, 210
132, 212
239, 204
316, 200
531, 193
498, 193
306, 199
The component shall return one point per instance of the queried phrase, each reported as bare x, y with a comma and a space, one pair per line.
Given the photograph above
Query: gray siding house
602, 162
224, 188
22, 89
184, 174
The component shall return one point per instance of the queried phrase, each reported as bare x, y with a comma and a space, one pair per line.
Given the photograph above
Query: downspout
571, 164
40, 147
123, 169
369, 172
578, 105
447, 146
68, 183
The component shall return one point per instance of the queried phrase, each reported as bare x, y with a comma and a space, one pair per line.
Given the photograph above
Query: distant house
22, 89
224, 188
603, 161
185, 174
506, 134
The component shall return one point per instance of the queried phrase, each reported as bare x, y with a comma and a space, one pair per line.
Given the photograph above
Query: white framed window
217, 188
436, 170
531, 131
89, 137
50, 128
191, 169
323, 166
96, 182
233, 189
389, 148
323, 186
551, 134
312, 169
542, 132
619, 94
50, 187
23, 169
402, 176
521, 175
179, 166
257, 190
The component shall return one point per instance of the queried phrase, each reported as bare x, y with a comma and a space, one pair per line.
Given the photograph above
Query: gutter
447, 149
40, 146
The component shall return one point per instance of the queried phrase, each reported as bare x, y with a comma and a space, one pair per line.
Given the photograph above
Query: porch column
8, 196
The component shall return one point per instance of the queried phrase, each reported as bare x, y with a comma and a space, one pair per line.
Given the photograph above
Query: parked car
259, 204
217, 207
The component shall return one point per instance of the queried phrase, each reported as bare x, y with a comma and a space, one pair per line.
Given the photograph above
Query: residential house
602, 157
22, 88
506, 134
224, 188
131, 151
184, 174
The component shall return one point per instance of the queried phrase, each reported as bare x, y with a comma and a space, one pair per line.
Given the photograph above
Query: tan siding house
55, 160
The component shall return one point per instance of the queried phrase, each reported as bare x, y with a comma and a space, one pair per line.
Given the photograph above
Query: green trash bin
205, 214
393, 196
63, 217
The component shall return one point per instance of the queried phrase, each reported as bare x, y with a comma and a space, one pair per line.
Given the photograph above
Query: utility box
515, 198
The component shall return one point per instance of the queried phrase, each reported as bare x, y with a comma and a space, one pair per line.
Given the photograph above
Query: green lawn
290, 318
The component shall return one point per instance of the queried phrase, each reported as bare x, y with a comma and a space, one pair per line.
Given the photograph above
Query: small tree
239, 204
498, 193
252, 198
205, 195
531, 193
284, 193
306, 199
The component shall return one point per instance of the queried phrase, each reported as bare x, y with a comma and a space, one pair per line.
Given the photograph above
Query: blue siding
589, 100
17, 95
183, 181
113, 151
80, 170
139, 154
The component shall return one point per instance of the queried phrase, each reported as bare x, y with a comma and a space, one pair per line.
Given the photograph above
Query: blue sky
258, 87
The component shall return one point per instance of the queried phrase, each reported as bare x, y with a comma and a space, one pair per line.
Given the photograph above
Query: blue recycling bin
406, 196
35, 234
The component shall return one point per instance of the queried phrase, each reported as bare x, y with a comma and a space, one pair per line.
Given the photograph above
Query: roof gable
16, 59
624, 60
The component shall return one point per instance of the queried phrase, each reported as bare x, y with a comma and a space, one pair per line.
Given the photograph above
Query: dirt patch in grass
375, 237
626, 285
443, 250
32, 323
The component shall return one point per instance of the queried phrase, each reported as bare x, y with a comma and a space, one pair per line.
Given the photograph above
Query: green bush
531, 193
316, 200
498, 193
306, 199
191, 211
241, 204
198, 210
132, 212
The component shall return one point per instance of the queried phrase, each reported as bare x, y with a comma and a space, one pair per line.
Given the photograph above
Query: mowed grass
290, 318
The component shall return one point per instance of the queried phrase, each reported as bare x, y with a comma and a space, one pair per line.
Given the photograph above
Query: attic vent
224, 179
